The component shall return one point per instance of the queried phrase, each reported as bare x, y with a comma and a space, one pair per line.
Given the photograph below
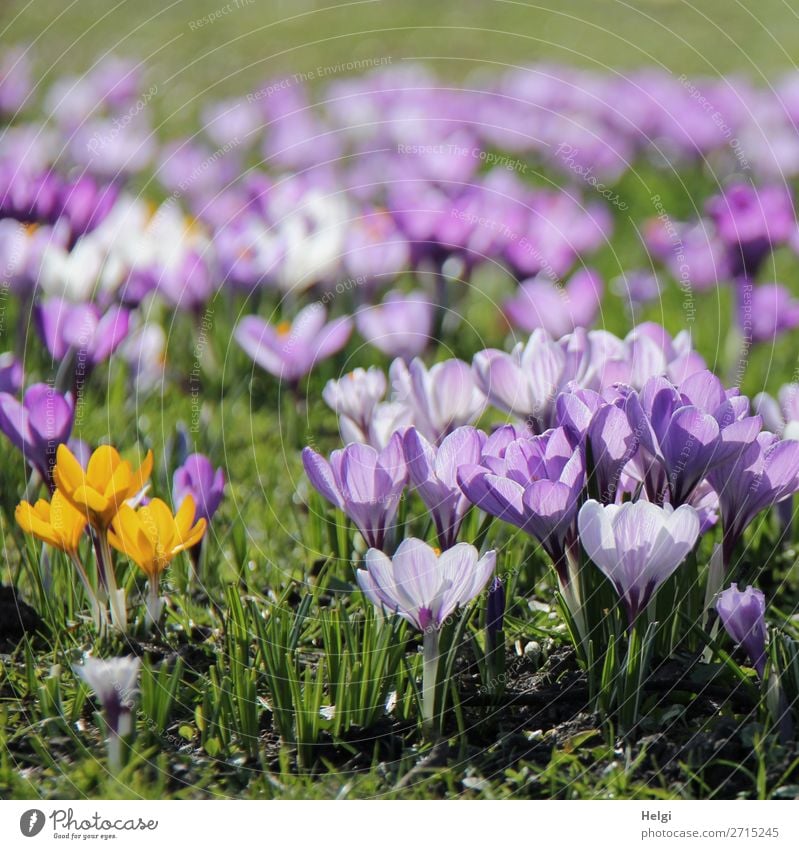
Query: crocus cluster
107, 497
619, 452
406, 180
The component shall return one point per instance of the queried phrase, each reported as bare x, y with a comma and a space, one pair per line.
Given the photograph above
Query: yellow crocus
103, 488
151, 536
55, 522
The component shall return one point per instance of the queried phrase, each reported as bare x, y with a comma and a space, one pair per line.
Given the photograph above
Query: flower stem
153, 602
119, 614
114, 752
429, 676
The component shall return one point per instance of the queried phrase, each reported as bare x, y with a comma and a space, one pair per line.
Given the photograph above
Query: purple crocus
433, 472
10, 374
543, 302
290, 351
637, 545
750, 221
526, 382
85, 203
441, 398
743, 615
82, 328
686, 432
400, 327
38, 425
766, 311
534, 486
763, 474
206, 485
364, 483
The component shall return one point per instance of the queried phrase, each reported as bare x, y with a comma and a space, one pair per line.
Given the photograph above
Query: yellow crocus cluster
103, 496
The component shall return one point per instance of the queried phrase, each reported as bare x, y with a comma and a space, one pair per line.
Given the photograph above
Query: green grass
271, 677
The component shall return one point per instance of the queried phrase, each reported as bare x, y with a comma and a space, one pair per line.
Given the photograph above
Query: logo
31, 822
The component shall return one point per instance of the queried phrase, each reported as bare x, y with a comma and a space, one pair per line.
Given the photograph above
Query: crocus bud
743, 615
495, 607
114, 682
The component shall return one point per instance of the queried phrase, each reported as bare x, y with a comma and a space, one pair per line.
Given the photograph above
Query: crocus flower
94, 336
10, 374
441, 398
152, 537
637, 545
85, 203
763, 474
750, 221
115, 683
534, 486
98, 492
198, 478
106, 484
542, 302
37, 425
55, 522
780, 415
425, 589
743, 615
525, 382
433, 472
364, 483
353, 398
421, 586
400, 326
766, 310
686, 432
59, 524
290, 351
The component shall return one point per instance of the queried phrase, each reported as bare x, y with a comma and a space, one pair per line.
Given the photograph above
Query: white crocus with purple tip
433, 472
425, 589
780, 414
637, 545
114, 682
354, 398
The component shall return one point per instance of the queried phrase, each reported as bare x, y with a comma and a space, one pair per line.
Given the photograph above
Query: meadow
399, 402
